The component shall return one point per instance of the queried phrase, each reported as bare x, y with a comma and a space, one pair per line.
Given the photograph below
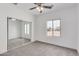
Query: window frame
52, 27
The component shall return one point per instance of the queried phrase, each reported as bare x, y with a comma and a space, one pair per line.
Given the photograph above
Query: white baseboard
57, 45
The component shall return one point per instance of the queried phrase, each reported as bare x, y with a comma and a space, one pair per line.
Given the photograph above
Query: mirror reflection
19, 32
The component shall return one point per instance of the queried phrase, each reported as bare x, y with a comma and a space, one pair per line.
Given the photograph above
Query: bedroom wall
78, 27
14, 29
68, 17
11, 10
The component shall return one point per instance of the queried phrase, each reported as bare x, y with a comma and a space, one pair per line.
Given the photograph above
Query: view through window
53, 28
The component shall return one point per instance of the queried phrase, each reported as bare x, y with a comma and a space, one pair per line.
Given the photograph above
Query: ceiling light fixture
40, 7
13, 19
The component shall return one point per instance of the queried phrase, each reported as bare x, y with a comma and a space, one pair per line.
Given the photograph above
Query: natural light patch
27, 29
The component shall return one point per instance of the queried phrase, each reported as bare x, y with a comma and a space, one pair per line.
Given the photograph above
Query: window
53, 28
49, 28
27, 29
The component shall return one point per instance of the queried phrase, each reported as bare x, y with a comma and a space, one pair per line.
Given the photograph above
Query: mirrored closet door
19, 32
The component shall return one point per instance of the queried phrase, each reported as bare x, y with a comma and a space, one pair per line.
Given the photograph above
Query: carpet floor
40, 49
12, 43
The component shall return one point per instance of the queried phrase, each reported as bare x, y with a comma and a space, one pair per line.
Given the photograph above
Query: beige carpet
41, 49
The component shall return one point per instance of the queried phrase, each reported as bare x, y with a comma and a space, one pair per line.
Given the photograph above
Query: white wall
68, 18
78, 27
12, 11
14, 29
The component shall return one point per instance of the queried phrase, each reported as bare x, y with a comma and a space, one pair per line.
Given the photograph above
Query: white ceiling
57, 6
